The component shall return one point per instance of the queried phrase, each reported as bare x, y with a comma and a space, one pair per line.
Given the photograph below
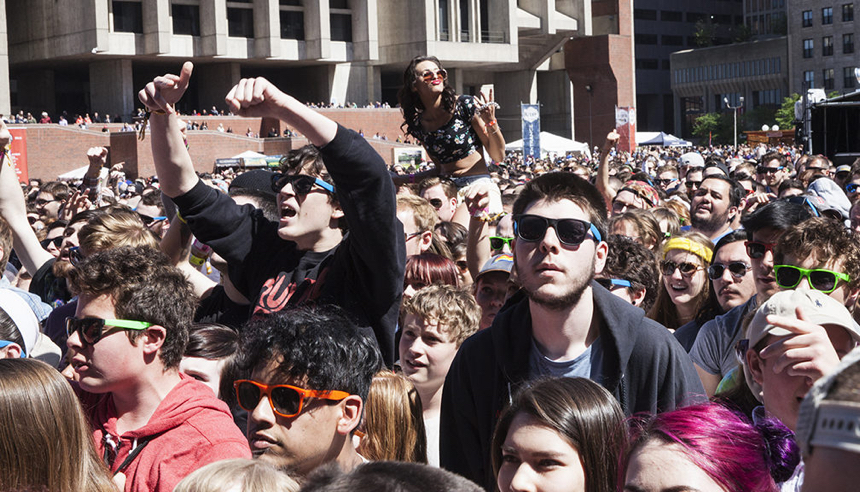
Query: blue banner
531, 130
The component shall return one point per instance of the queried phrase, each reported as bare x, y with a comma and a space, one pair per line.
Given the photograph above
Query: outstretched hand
164, 92
255, 97
486, 106
611, 140
97, 156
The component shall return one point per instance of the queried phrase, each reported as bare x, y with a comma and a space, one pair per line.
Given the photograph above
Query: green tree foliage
717, 126
704, 35
785, 114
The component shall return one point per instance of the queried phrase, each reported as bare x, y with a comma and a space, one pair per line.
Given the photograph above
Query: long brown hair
410, 103
394, 424
45, 440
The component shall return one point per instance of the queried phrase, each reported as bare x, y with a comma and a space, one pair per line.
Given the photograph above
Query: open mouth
287, 211
678, 287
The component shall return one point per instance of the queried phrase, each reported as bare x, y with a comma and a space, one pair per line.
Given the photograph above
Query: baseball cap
498, 263
692, 159
844, 168
22, 316
818, 308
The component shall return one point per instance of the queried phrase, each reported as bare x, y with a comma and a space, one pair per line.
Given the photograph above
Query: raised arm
14, 210
602, 181
488, 128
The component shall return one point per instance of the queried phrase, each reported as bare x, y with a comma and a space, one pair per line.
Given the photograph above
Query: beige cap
818, 308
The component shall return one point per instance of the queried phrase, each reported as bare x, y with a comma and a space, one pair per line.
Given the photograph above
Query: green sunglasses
499, 242
789, 276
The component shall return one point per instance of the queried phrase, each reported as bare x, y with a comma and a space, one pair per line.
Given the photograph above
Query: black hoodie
643, 366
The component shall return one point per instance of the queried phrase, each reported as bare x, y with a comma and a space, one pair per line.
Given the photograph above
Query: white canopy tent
660, 138
551, 143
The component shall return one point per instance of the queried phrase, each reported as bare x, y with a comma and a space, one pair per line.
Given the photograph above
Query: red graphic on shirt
276, 296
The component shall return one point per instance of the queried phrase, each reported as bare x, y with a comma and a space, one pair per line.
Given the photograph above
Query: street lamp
735, 109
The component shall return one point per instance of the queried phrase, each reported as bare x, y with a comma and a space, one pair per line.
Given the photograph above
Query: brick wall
53, 150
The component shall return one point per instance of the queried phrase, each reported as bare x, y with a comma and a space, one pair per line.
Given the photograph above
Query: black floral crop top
453, 140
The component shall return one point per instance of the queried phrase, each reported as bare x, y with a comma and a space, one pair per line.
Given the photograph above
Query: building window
808, 48
807, 18
644, 14
671, 16
809, 79
646, 39
827, 15
240, 19
848, 43
673, 40
127, 17
827, 46
341, 27
647, 64
847, 12
848, 80
186, 19
292, 25
828, 78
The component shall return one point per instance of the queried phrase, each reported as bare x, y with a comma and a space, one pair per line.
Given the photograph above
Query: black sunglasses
571, 232
767, 170
436, 202
611, 283
55, 241
92, 329
737, 268
852, 187
75, 255
691, 184
302, 183
757, 249
664, 182
499, 242
686, 268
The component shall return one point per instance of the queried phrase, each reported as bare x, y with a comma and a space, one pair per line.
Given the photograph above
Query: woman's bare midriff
471, 165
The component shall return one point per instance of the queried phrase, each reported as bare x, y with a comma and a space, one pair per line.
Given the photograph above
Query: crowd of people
671, 319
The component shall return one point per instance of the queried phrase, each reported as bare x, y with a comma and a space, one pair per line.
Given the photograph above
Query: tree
785, 114
717, 127
704, 35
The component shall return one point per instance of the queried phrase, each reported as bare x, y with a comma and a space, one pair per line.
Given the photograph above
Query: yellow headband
693, 247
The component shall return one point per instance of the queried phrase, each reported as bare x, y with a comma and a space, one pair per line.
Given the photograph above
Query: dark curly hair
632, 261
144, 287
318, 347
410, 103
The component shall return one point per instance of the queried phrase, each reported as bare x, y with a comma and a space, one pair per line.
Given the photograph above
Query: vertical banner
19, 153
531, 130
625, 125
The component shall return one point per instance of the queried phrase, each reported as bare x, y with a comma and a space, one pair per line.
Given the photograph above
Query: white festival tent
660, 138
552, 143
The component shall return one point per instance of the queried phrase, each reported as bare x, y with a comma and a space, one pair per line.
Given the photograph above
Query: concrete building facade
666, 26
82, 56
821, 47
703, 78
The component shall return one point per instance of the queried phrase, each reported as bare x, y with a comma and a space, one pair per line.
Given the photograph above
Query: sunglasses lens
755, 250
787, 277
669, 267
496, 243
823, 281
248, 395
851, 188
90, 329
738, 269
687, 268
716, 271
531, 228
436, 202
605, 283
571, 231
287, 401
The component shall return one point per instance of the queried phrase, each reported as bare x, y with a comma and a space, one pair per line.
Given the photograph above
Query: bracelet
142, 133
491, 123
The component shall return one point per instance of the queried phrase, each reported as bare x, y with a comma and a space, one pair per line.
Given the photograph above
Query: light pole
735, 109
590, 90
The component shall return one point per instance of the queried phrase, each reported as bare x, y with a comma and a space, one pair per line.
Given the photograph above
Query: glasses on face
741, 177
150, 221
436, 202
75, 255
693, 184
757, 249
93, 329
612, 283
665, 182
55, 241
737, 268
302, 183
852, 187
462, 265
286, 400
741, 349
619, 206
41, 202
789, 276
768, 170
571, 232
499, 242
430, 75
687, 269
409, 235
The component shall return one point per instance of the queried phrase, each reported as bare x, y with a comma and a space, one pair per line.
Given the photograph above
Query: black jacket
363, 274
643, 366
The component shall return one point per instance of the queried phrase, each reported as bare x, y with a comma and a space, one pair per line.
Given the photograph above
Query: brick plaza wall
53, 150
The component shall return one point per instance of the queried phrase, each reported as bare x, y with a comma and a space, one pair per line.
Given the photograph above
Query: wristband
142, 133
491, 123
